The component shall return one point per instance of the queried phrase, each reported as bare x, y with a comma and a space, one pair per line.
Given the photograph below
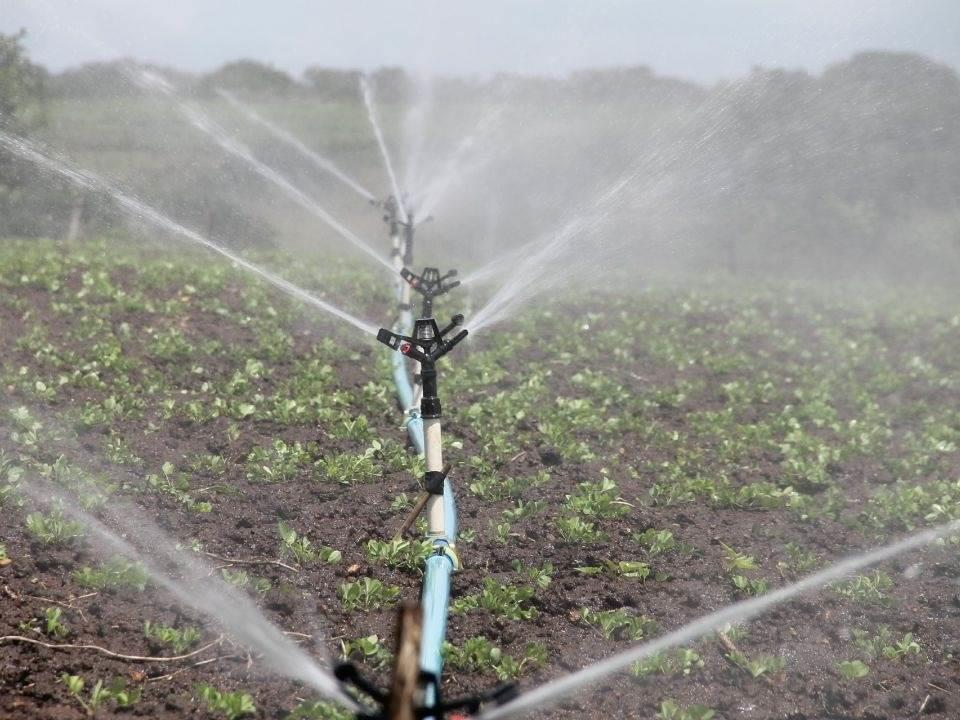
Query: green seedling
301, 550
902, 648
597, 500
501, 532
479, 655
493, 488
367, 594
655, 542
53, 623
758, 666
397, 553
798, 560
866, 589
209, 464
119, 452
523, 510
853, 669
540, 576
242, 579
736, 561
669, 710
679, 661
75, 685
180, 640
618, 568
123, 695
319, 710
232, 705
278, 463
620, 624
467, 536
505, 600
114, 574
368, 649
577, 530
884, 644
118, 691
401, 502
348, 468
53, 529
355, 428
748, 586
177, 486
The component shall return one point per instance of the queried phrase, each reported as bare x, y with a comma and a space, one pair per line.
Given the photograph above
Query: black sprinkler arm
427, 344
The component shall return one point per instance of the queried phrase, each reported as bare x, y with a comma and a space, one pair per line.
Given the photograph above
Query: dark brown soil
812, 634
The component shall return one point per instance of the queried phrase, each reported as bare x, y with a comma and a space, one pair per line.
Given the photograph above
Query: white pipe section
433, 450
417, 386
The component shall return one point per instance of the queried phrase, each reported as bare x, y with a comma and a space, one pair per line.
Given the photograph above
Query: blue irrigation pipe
435, 596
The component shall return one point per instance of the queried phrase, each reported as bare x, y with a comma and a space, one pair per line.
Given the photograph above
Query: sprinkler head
430, 284
428, 343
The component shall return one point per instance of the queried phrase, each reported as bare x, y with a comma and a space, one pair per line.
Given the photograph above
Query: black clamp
430, 285
433, 480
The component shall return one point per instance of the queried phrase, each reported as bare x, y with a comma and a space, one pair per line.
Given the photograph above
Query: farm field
625, 463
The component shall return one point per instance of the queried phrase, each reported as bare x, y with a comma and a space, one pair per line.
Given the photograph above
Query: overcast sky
705, 40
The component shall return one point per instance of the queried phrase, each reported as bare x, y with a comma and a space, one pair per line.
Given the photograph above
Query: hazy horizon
688, 40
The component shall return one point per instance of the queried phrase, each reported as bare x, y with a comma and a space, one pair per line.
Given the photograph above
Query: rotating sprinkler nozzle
430, 285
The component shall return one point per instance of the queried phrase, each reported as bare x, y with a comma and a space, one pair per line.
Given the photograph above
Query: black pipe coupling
433, 481
430, 408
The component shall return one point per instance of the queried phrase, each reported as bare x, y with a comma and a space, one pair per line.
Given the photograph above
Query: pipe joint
430, 408
443, 548
433, 481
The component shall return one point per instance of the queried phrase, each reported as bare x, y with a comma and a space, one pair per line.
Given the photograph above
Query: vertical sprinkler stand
426, 345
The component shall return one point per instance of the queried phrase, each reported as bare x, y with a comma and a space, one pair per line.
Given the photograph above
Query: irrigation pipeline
425, 435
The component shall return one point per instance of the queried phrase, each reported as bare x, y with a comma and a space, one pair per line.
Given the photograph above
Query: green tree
21, 110
21, 85
249, 76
